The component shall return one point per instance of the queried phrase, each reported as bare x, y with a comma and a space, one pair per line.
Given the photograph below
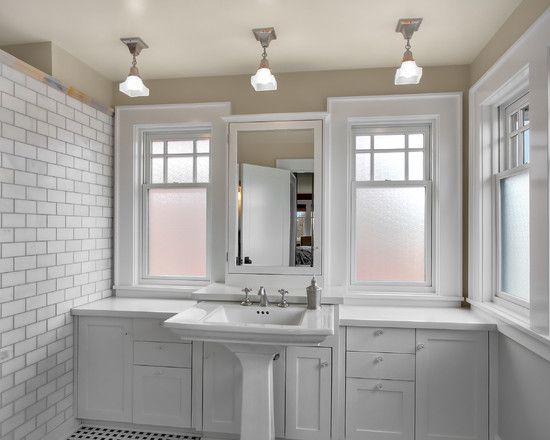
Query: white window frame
505, 167
165, 135
395, 128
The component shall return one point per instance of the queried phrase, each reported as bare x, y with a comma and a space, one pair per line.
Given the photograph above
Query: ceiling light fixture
264, 80
409, 72
133, 85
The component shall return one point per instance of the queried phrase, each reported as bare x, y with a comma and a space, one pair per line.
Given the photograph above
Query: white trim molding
524, 67
443, 112
130, 121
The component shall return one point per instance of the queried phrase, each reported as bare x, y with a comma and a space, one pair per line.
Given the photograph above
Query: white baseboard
64, 430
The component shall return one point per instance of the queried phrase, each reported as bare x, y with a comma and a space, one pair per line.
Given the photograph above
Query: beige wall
38, 55
74, 73
66, 68
518, 22
298, 92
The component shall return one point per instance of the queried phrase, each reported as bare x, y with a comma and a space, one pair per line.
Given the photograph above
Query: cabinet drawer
162, 354
380, 365
380, 339
152, 330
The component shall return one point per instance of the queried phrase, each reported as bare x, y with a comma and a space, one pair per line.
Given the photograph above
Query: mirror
276, 167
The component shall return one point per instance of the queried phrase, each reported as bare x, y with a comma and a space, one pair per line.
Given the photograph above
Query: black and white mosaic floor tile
101, 433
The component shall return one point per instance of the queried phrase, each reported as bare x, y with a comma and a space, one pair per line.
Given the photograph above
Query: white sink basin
255, 335
233, 323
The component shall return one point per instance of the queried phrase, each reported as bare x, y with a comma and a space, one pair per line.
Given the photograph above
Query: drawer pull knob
379, 359
419, 347
276, 357
379, 332
379, 386
324, 364
161, 347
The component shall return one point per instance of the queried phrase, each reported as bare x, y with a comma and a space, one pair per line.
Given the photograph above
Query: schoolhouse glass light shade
263, 80
408, 73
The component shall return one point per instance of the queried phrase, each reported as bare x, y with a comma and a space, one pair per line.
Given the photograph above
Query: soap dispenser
313, 295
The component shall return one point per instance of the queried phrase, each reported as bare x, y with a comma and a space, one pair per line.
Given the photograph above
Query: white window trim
147, 136
406, 127
129, 121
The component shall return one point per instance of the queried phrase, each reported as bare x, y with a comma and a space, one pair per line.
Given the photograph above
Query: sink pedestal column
257, 407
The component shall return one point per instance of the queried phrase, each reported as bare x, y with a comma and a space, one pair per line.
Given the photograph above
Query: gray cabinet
105, 369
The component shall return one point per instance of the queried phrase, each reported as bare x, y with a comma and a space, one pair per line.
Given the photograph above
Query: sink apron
257, 407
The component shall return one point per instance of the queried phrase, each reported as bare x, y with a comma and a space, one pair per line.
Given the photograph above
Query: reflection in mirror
275, 198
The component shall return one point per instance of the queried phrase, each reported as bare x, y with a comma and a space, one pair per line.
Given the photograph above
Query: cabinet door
308, 393
222, 390
104, 369
379, 409
451, 385
162, 396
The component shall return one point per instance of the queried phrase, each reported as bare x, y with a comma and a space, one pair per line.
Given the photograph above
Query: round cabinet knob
161, 347
379, 386
276, 357
419, 347
379, 359
324, 364
379, 332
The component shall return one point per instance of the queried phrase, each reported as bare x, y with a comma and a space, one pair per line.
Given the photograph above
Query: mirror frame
233, 179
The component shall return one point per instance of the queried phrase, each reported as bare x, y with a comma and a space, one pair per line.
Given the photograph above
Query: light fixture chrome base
135, 45
265, 35
408, 26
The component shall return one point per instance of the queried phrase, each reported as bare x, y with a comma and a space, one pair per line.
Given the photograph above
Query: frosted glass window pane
362, 166
390, 234
177, 232
416, 165
157, 147
180, 147
157, 170
385, 141
416, 140
203, 168
389, 166
526, 146
180, 169
514, 235
362, 142
203, 146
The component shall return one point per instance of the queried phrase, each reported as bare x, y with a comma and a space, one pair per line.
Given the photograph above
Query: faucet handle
283, 302
246, 301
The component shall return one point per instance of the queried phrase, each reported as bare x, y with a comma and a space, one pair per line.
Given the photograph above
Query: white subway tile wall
56, 208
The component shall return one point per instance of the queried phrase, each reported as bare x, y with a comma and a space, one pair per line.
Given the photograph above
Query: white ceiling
213, 37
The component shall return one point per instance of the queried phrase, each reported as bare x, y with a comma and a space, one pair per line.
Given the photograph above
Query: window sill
157, 291
516, 327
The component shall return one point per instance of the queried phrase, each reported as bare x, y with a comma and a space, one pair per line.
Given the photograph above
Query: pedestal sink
255, 335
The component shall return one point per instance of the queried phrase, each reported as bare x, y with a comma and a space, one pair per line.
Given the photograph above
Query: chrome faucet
263, 297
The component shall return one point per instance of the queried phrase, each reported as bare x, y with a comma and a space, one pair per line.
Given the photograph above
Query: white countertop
350, 315
414, 317
134, 307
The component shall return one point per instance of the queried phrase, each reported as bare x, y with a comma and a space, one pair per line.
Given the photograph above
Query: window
391, 207
512, 188
175, 198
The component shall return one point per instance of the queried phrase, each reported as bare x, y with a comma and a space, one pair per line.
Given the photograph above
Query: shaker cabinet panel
104, 369
162, 396
379, 409
451, 385
308, 393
